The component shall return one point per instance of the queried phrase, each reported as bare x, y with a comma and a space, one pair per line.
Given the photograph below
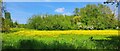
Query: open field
67, 39
58, 26
59, 32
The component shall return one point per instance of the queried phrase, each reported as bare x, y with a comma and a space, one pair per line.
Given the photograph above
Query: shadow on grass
35, 45
114, 43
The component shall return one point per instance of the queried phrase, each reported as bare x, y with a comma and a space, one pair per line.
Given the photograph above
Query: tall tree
1, 17
6, 21
8, 18
117, 4
97, 16
76, 11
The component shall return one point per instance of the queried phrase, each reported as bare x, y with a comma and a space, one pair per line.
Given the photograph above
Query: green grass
61, 42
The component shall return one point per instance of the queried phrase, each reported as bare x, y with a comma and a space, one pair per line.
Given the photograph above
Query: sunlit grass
75, 37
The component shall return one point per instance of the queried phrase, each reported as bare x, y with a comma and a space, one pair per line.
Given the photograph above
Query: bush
50, 22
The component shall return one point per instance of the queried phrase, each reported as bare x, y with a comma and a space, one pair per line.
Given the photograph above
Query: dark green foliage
97, 16
15, 24
8, 19
22, 25
7, 15
6, 22
31, 44
108, 44
76, 11
50, 22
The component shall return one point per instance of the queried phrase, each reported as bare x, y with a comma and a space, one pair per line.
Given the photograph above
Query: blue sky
21, 11
54, 0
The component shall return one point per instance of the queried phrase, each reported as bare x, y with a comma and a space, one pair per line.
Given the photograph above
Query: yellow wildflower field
59, 32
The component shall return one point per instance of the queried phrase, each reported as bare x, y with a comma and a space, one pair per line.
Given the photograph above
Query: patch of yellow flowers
59, 32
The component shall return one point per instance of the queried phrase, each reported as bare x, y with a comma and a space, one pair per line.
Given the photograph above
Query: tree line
95, 17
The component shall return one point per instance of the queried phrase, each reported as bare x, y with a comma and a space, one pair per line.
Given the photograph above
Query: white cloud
47, 0
67, 13
60, 10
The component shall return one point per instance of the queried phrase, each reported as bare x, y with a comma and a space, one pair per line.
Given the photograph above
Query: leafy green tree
97, 16
15, 24
50, 22
116, 3
76, 11
6, 25
1, 24
8, 18
6, 22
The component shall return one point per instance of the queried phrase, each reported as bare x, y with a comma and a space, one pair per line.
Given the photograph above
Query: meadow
92, 26
20, 38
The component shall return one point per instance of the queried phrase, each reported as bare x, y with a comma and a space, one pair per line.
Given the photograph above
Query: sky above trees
21, 11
